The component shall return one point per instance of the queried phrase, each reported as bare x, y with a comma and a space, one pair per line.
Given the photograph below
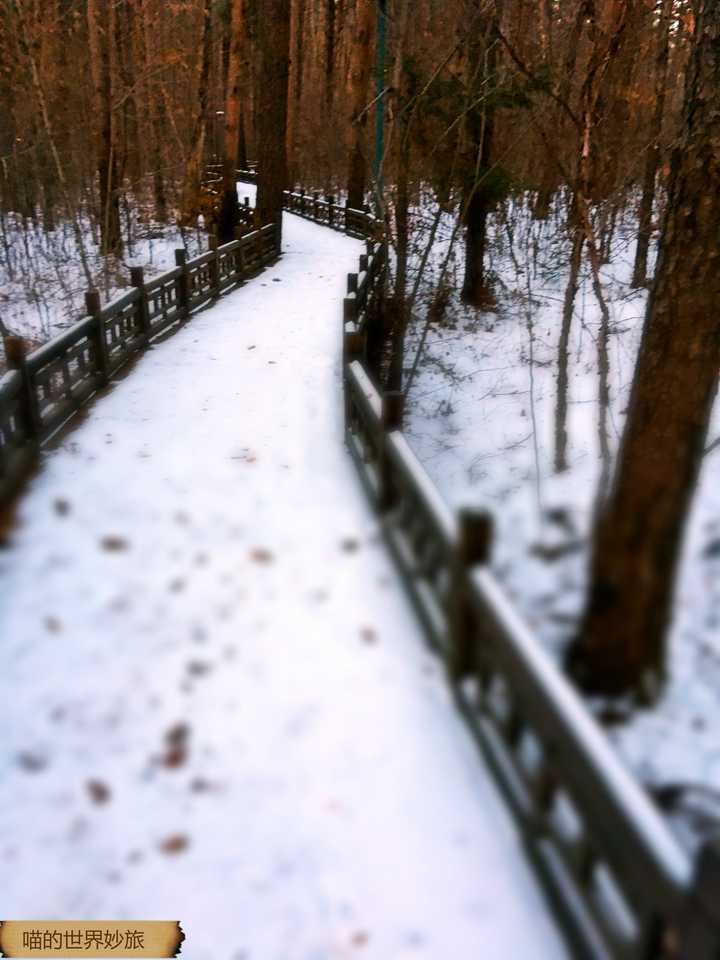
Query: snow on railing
49, 385
621, 885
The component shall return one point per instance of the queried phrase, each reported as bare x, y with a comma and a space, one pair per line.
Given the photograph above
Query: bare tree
639, 533
272, 95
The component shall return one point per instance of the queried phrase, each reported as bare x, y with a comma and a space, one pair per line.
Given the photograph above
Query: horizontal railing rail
46, 387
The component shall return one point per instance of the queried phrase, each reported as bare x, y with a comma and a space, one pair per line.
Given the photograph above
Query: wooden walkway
218, 708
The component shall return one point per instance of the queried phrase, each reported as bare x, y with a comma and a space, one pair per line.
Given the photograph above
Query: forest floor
217, 704
482, 411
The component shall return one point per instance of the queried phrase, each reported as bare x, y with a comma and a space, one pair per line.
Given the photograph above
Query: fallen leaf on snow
175, 843
261, 555
114, 543
199, 667
99, 792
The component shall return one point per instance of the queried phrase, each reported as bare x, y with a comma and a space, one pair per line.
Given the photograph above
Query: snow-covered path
216, 704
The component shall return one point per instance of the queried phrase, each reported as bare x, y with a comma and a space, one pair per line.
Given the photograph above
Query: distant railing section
50, 384
322, 209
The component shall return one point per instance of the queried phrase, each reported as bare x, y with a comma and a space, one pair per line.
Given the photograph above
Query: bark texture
360, 64
272, 99
622, 645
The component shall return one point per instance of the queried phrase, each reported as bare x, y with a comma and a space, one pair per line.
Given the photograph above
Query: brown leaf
199, 667
99, 792
114, 543
360, 938
368, 635
61, 507
350, 545
176, 746
175, 843
261, 555
53, 624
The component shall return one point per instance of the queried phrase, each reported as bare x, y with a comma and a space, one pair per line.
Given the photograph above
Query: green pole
380, 104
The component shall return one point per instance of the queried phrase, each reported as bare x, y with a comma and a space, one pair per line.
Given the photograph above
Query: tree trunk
329, 51
652, 157
479, 125
272, 97
397, 312
229, 214
563, 344
193, 166
295, 104
100, 42
360, 65
622, 644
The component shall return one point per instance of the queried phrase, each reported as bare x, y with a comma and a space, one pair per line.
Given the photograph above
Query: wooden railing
49, 385
621, 885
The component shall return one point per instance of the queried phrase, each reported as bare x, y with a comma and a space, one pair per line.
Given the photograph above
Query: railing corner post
214, 266
393, 403
92, 305
472, 546
15, 356
137, 279
184, 284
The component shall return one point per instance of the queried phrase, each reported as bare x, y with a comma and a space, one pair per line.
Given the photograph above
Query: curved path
216, 704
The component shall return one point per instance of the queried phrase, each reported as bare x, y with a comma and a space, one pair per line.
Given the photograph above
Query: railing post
316, 208
363, 263
392, 415
15, 354
92, 305
137, 279
473, 545
214, 267
239, 255
353, 349
700, 926
183, 282
277, 242
302, 203
352, 283
331, 209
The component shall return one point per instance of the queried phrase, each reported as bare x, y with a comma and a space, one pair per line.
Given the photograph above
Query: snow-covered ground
217, 707
481, 418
